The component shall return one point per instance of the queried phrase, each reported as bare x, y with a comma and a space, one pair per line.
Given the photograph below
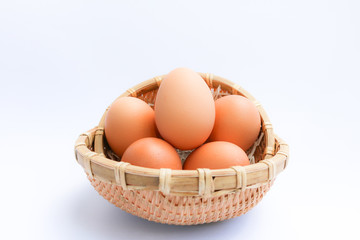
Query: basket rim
181, 182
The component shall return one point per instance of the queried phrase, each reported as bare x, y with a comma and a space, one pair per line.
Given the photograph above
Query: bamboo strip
183, 182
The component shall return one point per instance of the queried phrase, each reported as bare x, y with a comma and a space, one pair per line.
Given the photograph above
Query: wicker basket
183, 197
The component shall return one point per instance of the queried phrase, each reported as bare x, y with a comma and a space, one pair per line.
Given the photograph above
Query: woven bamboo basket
183, 197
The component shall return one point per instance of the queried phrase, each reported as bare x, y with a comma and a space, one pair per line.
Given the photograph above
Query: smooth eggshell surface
237, 120
152, 153
127, 120
184, 109
216, 155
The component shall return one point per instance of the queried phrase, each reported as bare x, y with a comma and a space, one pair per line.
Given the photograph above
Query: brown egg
152, 153
184, 109
237, 120
216, 155
128, 120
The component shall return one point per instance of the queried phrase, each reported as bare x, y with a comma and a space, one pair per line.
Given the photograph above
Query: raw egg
127, 120
184, 109
237, 120
152, 153
216, 155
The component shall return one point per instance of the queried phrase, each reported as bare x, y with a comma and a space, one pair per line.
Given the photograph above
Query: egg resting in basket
183, 197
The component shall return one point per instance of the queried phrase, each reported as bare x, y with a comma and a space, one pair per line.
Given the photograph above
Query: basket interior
255, 153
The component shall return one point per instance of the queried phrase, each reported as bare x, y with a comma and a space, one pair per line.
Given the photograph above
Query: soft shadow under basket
183, 197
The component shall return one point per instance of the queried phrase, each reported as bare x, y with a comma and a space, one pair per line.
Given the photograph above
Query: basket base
180, 210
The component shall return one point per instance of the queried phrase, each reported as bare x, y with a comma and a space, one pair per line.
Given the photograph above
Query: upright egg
152, 153
216, 155
237, 120
184, 109
127, 120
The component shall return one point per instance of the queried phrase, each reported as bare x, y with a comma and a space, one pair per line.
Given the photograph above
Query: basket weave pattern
180, 210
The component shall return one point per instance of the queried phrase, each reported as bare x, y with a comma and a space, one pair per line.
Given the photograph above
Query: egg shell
152, 153
127, 120
184, 109
216, 155
237, 120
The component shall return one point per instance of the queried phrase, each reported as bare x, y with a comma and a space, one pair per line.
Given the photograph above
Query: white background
63, 62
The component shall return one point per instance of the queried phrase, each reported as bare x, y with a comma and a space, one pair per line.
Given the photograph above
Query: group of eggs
186, 117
